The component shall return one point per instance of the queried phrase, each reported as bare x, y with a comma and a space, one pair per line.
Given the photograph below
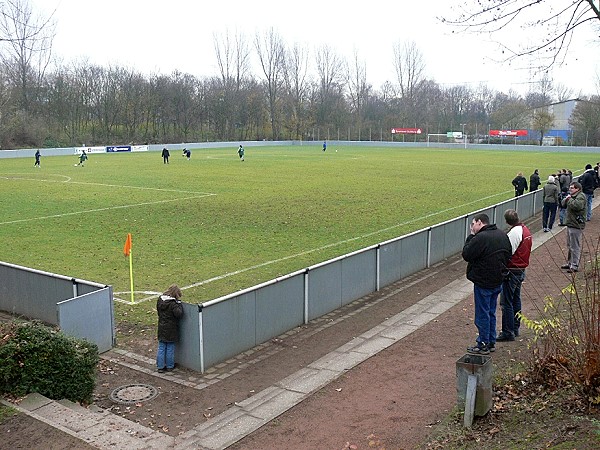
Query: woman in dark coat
170, 310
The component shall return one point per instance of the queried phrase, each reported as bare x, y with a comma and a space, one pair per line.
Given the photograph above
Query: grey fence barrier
82, 309
222, 328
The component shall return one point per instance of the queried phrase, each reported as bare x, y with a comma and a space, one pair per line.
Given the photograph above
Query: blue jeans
486, 301
165, 357
562, 215
510, 302
548, 215
589, 198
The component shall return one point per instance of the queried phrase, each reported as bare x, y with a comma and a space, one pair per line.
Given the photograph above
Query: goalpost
435, 134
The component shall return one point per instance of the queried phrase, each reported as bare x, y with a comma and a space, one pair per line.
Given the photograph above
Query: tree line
296, 94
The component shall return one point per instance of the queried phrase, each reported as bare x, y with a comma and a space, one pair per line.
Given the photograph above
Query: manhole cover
133, 393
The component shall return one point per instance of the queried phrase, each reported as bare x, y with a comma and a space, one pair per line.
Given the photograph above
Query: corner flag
127, 247
127, 252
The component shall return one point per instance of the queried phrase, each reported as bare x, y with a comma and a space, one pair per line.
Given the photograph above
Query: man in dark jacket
588, 184
170, 310
576, 205
520, 184
487, 251
534, 181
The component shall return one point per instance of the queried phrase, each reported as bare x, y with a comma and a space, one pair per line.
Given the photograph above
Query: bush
37, 358
566, 346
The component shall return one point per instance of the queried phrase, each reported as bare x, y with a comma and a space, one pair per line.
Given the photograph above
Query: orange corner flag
127, 247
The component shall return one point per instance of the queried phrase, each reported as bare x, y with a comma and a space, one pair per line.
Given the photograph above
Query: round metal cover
133, 393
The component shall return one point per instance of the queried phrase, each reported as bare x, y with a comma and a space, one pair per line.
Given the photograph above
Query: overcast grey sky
161, 36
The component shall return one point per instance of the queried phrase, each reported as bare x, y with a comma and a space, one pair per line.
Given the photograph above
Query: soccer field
215, 224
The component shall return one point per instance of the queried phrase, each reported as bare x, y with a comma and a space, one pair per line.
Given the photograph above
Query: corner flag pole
127, 252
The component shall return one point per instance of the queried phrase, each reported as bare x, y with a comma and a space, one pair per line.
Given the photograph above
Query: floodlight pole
463, 132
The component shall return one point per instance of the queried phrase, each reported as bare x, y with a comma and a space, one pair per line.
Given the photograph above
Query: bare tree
410, 68
331, 70
296, 85
358, 89
557, 20
28, 48
233, 59
271, 54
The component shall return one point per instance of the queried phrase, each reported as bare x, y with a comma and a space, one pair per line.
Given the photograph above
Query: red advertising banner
406, 131
508, 132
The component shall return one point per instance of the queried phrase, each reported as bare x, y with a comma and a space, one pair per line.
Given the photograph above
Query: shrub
566, 347
38, 358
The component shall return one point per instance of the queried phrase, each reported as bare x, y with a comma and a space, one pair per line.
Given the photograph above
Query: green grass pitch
215, 224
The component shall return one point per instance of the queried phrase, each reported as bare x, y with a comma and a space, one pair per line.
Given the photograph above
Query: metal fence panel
32, 294
90, 317
524, 206
414, 251
187, 351
279, 308
229, 328
359, 275
447, 239
324, 289
390, 262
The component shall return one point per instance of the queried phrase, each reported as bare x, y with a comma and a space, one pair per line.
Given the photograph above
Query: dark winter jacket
588, 181
487, 254
534, 182
170, 310
520, 184
576, 210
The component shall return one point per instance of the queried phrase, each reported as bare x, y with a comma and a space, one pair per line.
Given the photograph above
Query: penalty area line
108, 208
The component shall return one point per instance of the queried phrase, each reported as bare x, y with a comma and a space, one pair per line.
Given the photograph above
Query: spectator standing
562, 210
170, 310
165, 155
563, 179
534, 181
576, 204
487, 251
510, 299
520, 184
588, 184
550, 192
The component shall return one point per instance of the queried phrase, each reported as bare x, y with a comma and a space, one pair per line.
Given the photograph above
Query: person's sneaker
492, 347
169, 369
565, 266
505, 337
161, 370
479, 349
572, 270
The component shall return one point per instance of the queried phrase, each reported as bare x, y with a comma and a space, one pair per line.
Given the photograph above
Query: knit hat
550, 179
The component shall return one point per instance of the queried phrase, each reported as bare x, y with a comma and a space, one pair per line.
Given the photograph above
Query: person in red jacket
510, 300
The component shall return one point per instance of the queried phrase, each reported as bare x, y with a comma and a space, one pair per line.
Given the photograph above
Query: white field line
68, 181
306, 252
108, 208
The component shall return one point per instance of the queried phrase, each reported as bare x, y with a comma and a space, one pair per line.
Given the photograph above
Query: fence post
306, 297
